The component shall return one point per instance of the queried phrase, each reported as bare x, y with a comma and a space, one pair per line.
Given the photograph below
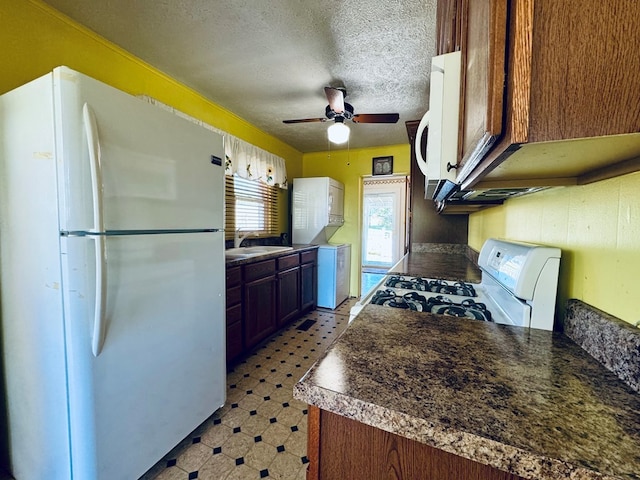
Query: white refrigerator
112, 286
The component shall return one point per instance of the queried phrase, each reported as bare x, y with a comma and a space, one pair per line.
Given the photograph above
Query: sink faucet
238, 238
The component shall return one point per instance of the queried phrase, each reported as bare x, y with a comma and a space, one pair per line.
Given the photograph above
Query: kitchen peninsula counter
528, 402
447, 266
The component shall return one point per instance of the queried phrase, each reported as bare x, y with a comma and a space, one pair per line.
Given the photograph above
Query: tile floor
261, 431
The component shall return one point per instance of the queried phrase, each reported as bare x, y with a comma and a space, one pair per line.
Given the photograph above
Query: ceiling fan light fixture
338, 132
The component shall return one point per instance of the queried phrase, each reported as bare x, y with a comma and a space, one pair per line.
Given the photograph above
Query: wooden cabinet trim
497, 68
519, 71
313, 443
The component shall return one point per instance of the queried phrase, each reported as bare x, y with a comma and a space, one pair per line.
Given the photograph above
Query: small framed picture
382, 166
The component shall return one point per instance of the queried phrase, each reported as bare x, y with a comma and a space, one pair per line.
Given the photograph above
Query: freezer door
161, 371
155, 170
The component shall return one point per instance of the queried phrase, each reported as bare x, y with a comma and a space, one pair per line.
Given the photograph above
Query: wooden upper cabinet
483, 78
582, 59
478, 29
450, 24
549, 91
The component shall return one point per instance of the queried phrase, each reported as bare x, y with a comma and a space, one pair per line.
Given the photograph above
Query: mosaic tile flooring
261, 431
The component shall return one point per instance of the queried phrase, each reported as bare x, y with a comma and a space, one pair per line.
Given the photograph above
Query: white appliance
317, 209
112, 280
334, 274
518, 287
442, 120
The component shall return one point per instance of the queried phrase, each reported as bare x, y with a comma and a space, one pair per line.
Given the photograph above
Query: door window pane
379, 235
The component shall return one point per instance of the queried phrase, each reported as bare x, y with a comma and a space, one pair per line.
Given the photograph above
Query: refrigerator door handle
101, 295
91, 130
95, 160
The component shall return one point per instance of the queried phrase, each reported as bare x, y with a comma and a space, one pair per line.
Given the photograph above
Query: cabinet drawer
234, 314
234, 295
234, 276
253, 271
308, 256
288, 261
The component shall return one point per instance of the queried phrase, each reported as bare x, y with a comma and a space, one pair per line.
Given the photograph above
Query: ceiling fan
338, 110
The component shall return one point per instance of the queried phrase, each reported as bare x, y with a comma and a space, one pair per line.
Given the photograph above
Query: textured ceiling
268, 61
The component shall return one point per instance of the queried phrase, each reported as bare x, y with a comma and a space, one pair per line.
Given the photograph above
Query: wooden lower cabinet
265, 295
308, 286
259, 310
339, 448
235, 335
288, 296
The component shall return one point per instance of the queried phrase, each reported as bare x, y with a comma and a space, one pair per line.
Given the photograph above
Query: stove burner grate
411, 301
468, 308
435, 286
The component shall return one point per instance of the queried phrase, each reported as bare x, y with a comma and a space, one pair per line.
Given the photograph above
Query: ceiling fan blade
305, 120
336, 99
376, 118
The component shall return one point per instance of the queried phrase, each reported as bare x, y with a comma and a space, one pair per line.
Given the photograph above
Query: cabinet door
234, 332
368, 453
259, 310
288, 295
307, 286
483, 49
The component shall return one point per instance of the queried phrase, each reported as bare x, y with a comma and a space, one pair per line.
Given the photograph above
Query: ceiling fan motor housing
347, 114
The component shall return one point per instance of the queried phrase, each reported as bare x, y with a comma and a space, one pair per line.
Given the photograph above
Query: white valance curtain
242, 158
253, 163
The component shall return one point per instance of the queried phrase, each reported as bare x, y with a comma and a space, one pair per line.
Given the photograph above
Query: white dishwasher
334, 274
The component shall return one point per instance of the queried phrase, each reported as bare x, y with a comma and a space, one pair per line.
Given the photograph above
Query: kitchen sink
247, 252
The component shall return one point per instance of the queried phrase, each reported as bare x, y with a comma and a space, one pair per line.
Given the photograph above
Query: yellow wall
597, 226
349, 167
34, 39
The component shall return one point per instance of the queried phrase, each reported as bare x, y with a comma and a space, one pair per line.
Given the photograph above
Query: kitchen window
250, 206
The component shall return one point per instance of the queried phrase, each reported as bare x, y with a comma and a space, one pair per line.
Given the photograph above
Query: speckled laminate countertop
266, 256
438, 265
529, 402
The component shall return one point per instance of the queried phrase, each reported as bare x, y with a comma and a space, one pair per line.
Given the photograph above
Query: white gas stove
518, 287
